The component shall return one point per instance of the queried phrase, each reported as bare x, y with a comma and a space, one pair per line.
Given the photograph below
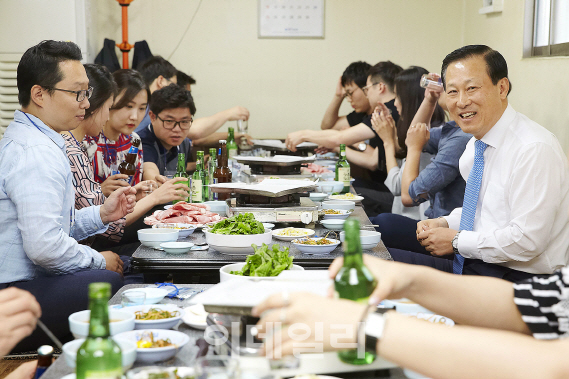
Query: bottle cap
45, 350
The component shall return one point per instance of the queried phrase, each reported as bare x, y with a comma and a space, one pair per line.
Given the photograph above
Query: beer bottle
231, 144
343, 169
222, 173
99, 356
181, 173
354, 282
128, 166
45, 358
211, 166
199, 180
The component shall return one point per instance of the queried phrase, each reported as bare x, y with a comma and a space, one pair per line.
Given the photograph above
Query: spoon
199, 248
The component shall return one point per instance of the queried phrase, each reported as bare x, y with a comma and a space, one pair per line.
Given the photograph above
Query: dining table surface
187, 355
203, 266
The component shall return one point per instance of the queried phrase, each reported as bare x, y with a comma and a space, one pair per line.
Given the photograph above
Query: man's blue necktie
471, 198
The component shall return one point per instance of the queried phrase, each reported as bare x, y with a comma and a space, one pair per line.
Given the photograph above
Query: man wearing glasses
39, 227
171, 112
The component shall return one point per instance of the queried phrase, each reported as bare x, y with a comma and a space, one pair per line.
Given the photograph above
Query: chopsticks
56, 341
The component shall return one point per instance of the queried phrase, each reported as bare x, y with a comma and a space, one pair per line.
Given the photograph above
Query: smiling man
513, 222
39, 227
171, 112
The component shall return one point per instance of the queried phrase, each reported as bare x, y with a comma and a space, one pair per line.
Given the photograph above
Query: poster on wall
291, 18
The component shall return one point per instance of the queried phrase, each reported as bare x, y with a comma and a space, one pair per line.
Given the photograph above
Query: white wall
286, 83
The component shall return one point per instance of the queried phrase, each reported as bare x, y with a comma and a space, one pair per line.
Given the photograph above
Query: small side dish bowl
368, 238
334, 224
119, 321
164, 323
176, 247
128, 351
317, 196
154, 237
184, 230
339, 204
225, 272
156, 354
316, 249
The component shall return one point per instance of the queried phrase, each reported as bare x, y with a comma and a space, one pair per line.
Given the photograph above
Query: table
186, 356
203, 266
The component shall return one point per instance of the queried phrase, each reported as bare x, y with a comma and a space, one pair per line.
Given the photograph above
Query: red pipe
125, 46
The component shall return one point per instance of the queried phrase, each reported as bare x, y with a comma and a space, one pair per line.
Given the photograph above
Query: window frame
549, 50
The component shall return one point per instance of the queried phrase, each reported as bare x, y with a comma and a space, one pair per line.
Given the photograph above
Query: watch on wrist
373, 328
455, 242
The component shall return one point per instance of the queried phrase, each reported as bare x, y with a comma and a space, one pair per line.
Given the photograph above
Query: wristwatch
455, 242
374, 325
362, 146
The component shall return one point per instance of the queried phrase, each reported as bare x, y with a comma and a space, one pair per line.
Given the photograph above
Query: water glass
218, 367
131, 298
149, 187
169, 174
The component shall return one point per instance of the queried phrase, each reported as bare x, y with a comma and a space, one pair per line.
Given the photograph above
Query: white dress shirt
522, 219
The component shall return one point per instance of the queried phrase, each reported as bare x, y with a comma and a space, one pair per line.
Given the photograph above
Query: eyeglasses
171, 124
350, 94
366, 88
81, 94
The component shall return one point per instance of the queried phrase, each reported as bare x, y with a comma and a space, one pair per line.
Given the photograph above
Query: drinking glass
217, 367
169, 174
149, 187
327, 188
131, 298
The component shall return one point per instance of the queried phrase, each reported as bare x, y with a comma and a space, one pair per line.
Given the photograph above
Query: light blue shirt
39, 227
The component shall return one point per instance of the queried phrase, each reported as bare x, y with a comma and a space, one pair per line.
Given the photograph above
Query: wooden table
203, 266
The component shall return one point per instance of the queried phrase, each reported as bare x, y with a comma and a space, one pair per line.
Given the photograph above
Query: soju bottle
354, 282
343, 169
199, 180
99, 356
211, 166
181, 172
231, 144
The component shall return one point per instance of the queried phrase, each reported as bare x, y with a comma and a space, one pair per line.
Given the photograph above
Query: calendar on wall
291, 18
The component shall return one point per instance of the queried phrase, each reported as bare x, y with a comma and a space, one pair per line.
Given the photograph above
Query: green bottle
343, 169
354, 282
99, 356
199, 180
211, 165
181, 172
231, 144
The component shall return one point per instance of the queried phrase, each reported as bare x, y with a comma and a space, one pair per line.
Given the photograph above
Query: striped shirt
87, 191
543, 302
104, 153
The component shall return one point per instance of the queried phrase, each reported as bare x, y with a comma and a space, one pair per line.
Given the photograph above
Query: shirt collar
495, 136
35, 122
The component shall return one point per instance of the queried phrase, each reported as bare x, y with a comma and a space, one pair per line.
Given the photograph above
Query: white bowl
237, 244
157, 354
317, 196
333, 224
166, 323
195, 316
339, 204
308, 233
153, 295
79, 322
368, 238
128, 351
154, 237
224, 272
268, 226
336, 186
217, 206
184, 230
317, 249
176, 247
340, 216
159, 372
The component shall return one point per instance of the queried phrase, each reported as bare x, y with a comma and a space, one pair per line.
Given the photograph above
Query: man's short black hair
40, 65
495, 63
184, 79
356, 72
171, 97
156, 66
385, 72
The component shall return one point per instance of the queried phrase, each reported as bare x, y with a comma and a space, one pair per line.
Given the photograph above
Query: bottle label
109, 374
133, 150
231, 153
343, 154
213, 195
197, 191
344, 175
